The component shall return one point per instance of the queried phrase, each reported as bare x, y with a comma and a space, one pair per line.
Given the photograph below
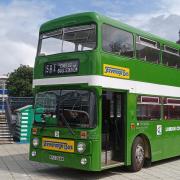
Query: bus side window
117, 41
148, 108
171, 108
147, 50
170, 57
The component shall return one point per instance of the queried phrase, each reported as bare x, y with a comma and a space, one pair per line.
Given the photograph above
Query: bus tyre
137, 155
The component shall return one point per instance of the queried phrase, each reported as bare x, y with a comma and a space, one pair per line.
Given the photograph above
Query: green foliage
19, 82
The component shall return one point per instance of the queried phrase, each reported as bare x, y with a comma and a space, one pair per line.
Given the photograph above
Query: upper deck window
171, 57
147, 50
70, 39
117, 41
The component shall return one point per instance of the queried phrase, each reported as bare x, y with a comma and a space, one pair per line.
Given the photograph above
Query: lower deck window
148, 112
148, 108
152, 108
171, 112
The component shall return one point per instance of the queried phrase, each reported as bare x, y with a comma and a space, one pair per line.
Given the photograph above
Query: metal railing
11, 104
10, 120
18, 102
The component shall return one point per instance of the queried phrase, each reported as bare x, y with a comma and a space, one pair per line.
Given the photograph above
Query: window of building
148, 108
117, 41
171, 108
171, 57
147, 50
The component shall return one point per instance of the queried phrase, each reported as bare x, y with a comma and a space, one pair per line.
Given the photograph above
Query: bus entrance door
112, 128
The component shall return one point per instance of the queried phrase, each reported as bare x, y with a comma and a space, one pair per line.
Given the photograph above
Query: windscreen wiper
66, 123
61, 114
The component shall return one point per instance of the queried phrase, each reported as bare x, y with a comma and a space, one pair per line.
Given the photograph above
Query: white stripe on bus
114, 83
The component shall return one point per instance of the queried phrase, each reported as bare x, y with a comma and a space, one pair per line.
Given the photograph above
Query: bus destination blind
61, 68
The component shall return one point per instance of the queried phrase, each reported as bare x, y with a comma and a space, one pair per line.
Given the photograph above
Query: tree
19, 82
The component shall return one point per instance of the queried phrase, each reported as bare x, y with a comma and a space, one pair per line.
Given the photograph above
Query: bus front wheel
138, 154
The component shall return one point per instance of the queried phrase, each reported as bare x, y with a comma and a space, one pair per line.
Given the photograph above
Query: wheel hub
139, 154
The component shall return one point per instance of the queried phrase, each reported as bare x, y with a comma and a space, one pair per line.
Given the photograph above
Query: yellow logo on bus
58, 145
116, 71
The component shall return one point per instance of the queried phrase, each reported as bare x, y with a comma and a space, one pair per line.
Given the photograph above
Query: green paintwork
23, 127
91, 62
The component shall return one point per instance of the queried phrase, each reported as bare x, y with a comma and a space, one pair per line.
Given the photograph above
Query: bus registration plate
58, 145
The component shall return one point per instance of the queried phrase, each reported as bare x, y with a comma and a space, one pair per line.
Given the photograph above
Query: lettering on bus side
116, 71
171, 129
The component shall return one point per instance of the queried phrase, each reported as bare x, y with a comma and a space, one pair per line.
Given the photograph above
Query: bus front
66, 128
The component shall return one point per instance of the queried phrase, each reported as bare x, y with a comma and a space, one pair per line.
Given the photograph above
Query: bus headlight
35, 142
83, 161
81, 147
33, 153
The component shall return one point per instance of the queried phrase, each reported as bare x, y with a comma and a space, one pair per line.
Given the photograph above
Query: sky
20, 21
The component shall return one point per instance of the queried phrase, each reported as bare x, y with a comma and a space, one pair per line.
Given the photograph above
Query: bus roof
81, 18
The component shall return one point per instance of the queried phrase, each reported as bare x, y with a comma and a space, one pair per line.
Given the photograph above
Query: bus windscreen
73, 107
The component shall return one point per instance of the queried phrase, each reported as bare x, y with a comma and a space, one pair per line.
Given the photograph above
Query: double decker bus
106, 95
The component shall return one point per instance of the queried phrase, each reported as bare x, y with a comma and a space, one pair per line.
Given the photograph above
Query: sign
58, 145
116, 71
56, 134
61, 68
159, 130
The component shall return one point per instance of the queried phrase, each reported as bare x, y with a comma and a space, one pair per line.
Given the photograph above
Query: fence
19, 102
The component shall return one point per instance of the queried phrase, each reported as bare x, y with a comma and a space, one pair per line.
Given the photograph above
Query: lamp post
3, 94
178, 42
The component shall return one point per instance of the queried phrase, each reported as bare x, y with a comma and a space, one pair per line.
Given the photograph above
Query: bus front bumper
70, 160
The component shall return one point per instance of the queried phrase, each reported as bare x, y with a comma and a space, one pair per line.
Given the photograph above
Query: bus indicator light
133, 126
34, 131
83, 134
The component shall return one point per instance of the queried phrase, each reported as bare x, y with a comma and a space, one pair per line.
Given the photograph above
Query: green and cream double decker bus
106, 95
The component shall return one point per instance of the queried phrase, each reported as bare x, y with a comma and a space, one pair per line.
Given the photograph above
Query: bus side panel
163, 135
171, 133
130, 133
146, 129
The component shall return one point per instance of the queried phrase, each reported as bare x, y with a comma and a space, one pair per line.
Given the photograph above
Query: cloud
158, 17
170, 7
19, 25
14, 53
167, 27
20, 21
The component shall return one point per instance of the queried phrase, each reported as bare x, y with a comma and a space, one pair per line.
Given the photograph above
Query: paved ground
14, 165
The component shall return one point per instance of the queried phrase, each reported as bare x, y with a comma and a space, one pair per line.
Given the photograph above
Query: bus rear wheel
138, 155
